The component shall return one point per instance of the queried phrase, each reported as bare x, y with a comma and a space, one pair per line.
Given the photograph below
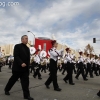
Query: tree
88, 49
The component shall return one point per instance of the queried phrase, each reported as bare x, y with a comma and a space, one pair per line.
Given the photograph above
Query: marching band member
1, 60
94, 64
81, 66
32, 63
69, 67
88, 64
98, 64
73, 61
4, 61
59, 64
85, 62
1, 63
37, 60
48, 63
98, 94
64, 65
43, 64
54, 53
10, 60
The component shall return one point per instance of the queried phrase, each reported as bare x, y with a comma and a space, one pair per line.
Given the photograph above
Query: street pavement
82, 90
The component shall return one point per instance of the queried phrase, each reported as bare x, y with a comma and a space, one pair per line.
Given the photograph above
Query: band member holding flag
54, 54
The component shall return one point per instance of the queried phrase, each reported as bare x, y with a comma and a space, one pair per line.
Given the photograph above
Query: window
44, 46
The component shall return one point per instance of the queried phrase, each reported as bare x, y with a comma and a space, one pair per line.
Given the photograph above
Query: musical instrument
32, 60
43, 53
43, 62
62, 60
2, 61
59, 62
32, 50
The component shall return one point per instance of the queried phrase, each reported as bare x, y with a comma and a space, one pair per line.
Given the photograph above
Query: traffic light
94, 40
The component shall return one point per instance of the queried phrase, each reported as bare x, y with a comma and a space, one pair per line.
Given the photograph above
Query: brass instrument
62, 60
1, 62
32, 60
43, 62
48, 60
59, 62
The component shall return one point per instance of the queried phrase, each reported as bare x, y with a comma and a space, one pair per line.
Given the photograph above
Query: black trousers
43, 68
94, 68
64, 68
10, 64
24, 77
89, 70
81, 70
48, 65
53, 74
98, 67
74, 68
0, 68
70, 67
32, 67
37, 72
59, 68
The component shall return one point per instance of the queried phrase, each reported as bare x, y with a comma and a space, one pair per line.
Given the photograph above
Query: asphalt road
82, 90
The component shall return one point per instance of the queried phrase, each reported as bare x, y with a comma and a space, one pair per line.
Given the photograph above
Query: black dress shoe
7, 93
65, 81
75, 73
29, 98
57, 89
72, 83
77, 78
34, 76
91, 77
47, 86
97, 75
98, 94
39, 78
85, 79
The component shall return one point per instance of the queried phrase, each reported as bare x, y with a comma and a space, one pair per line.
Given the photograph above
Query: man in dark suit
20, 68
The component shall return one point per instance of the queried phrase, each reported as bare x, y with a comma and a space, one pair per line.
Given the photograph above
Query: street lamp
33, 35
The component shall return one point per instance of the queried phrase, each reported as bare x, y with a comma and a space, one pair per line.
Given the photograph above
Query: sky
73, 22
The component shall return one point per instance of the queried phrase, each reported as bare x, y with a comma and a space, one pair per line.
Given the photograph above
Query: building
7, 49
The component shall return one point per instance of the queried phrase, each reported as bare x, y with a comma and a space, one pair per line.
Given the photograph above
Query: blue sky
73, 22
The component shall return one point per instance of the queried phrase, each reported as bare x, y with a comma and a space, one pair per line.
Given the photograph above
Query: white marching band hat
80, 50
